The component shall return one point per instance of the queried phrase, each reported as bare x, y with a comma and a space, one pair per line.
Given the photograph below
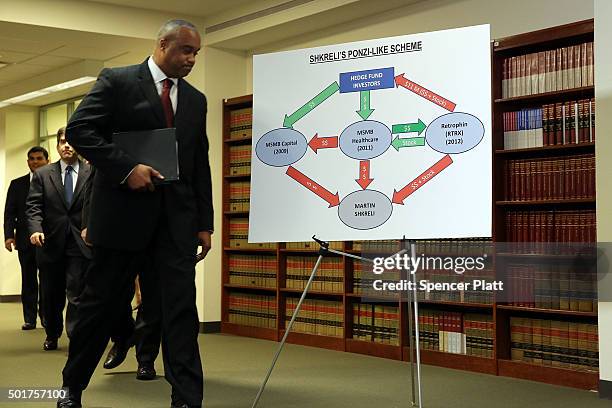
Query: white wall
18, 132
603, 97
506, 18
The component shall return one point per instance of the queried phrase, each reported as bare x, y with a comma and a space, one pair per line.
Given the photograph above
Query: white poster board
378, 139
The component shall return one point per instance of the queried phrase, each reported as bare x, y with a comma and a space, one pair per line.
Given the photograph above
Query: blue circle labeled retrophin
281, 147
365, 139
365, 209
455, 132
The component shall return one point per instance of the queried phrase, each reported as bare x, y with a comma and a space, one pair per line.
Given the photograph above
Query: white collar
75, 166
156, 72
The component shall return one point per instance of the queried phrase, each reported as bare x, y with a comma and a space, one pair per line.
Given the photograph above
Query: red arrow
427, 175
364, 174
332, 199
400, 80
323, 142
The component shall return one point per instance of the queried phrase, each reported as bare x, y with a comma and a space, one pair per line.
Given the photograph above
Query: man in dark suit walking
16, 237
132, 216
54, 207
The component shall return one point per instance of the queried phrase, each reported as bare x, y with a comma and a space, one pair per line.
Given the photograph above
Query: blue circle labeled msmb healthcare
365, 140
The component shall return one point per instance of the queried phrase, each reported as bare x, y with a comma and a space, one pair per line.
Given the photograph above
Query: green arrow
410, 142
310, 105
409, 127
364, 110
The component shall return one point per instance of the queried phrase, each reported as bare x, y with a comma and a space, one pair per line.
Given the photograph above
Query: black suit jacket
125, 99
15, 220
48, 212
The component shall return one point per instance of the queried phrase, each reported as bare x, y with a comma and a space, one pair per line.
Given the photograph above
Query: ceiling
199, 8
30, 51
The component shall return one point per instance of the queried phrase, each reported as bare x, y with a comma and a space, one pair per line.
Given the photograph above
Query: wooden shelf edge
243, 140
455, 361
311, 292
249, 331
247, 287
371, 348
547, 311
569, 30
235, 213
546, 95
547, 202
239, 100
584, 380
552, 148
264, 250
538, 256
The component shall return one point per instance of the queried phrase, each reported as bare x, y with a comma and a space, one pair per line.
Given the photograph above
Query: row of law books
239, 234
379, 246
239, 196
456, 332
463, 246
562, 123
548, 71
377, 323
364, 277
559, 286
252, 310
240, 123
555, 226
311, 245
555, 343
554, 178
240, 160
252, 270
318, 317
469, 295
329, 276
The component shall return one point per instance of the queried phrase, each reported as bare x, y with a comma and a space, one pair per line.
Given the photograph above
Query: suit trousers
30, 290
109, 285
145, 337
61, 280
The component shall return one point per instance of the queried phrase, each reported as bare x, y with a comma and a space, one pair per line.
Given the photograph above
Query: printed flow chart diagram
366, 208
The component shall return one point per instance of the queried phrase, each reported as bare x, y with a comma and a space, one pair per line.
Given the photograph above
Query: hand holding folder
157, 150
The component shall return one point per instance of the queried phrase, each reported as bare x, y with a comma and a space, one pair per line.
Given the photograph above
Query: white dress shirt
75, 172
158, 78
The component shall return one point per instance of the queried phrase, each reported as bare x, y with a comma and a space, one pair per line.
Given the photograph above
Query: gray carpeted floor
304, 378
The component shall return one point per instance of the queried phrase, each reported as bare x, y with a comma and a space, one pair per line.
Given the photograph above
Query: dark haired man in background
53, 208
16, 237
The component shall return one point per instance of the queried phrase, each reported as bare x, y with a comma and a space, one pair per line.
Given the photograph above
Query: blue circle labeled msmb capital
281, 147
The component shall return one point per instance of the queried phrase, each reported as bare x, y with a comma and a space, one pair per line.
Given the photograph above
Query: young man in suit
16, 237
132, 216
54, 206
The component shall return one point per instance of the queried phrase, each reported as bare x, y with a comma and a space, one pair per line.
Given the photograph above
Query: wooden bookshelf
500, 314
503, 49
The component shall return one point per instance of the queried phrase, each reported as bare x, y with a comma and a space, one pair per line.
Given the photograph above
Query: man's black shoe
28, 326
146, 372
177, 402
116, 355
71, 399
50, 344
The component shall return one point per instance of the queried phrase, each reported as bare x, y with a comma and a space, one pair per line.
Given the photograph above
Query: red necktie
166, 103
